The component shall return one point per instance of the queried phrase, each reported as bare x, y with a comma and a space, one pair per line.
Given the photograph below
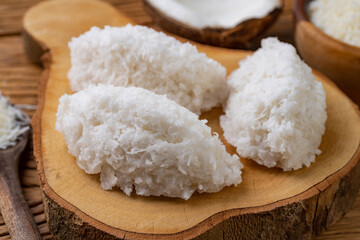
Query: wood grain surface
19, 80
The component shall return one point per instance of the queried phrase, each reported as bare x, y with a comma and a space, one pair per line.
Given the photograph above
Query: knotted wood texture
268, 204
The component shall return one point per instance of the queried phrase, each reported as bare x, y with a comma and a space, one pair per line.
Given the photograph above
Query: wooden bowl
336, 59
236, 37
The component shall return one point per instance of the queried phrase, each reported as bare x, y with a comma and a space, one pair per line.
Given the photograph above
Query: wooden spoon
14, 208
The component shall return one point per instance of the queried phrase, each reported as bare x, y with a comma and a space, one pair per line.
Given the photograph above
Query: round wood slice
268, 204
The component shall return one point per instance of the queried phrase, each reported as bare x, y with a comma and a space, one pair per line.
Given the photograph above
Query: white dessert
142, 57
138, 140
276, 111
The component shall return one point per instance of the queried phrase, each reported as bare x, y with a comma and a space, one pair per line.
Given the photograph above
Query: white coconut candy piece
276, 111
142, 57
138, 140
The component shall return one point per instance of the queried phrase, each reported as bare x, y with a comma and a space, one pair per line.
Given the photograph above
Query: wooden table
19, 80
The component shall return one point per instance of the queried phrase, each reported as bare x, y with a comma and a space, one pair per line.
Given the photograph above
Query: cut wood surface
19, 80
268, 204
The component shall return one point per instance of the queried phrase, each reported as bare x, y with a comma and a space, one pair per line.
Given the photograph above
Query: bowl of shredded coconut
327, 35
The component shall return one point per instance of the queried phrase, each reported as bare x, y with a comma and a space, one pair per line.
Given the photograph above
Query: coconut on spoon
14, 133
228, 23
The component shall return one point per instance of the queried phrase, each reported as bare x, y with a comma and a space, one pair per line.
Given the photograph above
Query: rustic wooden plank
32, 193
30, 164
37, 209
347, 228
13, 10
19, 78
12, 54
29, 178
46, 237
288, 6
133, 9
3, 230
45, 231
40, 218
6, 237
11, 15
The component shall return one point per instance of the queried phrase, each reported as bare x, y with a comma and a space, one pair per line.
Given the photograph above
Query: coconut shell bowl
234, 37
338, 60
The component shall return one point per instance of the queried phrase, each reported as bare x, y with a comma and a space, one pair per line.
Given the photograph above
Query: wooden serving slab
269, 204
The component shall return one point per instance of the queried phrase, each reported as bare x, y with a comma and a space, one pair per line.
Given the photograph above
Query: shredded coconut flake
142, 57
339, 19
139, 140
10, 129
276, 111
